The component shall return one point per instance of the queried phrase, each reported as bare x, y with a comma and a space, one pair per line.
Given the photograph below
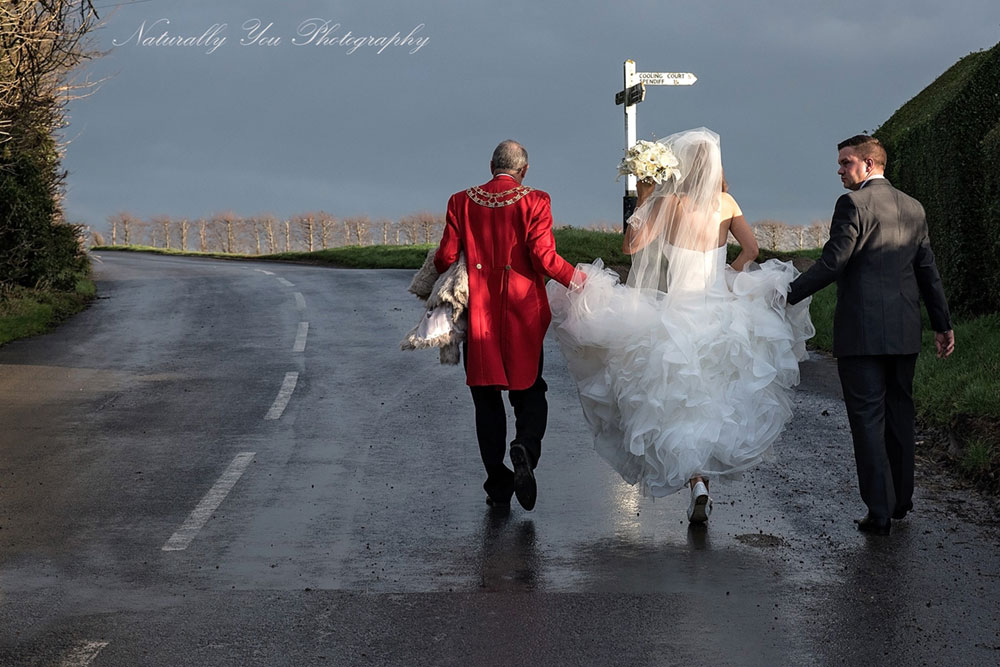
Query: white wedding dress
691, 381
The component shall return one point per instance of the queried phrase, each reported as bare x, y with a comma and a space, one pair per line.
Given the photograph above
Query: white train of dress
692, 381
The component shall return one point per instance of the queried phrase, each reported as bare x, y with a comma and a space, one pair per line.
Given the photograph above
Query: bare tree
433, 226
41, 41
268, 224
423, 227
162, 222
817, 233
149, 227
202, 234
129, 227
359, 229
797, 233
770, 233
119, 221
184, 226
385, 226
306, 224
288, 235
326, 227
225, 233
410, 226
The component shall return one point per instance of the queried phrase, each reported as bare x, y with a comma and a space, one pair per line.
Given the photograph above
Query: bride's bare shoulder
730, 209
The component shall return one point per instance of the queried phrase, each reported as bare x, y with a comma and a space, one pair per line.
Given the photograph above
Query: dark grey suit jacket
881, 258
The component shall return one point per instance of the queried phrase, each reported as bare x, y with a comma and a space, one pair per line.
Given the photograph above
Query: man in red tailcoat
505, 230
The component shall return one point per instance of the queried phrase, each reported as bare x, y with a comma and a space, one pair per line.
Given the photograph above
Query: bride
684, 373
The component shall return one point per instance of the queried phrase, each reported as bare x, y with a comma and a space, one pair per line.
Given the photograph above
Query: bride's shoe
701, 505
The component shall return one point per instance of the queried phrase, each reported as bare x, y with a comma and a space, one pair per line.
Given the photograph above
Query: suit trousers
530, 417
878, 393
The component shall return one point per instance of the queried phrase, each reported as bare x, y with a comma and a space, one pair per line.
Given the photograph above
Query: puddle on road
762, 540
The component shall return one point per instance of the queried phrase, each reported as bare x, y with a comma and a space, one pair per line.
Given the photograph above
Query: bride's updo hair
699, 159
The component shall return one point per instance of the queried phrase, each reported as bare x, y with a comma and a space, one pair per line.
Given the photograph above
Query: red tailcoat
509, 248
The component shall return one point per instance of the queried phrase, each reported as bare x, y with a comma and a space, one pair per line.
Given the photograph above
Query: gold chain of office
497, 199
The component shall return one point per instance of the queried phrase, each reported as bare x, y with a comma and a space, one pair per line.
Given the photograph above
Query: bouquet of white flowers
649, 161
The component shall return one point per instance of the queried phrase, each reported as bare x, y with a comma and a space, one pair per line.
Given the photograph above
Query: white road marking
284, 394
265, 272
82, 654
286, 283
300, 301
203, 512
300, 337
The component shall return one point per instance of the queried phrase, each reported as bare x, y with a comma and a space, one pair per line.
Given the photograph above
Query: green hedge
991, 203
943, 150
36, 250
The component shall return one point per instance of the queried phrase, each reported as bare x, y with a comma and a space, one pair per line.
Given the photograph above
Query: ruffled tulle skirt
687, 383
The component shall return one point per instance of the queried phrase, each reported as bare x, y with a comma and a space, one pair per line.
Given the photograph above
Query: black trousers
530, 417
878, 393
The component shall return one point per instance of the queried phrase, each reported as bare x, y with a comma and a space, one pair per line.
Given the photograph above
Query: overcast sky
385, 130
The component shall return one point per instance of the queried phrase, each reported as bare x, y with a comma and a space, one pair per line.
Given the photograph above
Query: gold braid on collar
497, 199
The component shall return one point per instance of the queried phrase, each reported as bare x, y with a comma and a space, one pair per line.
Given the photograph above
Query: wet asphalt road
191, 476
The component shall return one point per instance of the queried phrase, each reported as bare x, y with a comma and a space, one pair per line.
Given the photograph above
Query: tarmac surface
232, 463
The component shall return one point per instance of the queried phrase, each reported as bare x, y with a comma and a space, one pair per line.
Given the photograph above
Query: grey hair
509, 156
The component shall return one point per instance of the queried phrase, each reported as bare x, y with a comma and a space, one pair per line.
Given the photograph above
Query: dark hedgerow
944, 149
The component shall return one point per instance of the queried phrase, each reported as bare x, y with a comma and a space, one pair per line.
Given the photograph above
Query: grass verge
958, 398
28, 312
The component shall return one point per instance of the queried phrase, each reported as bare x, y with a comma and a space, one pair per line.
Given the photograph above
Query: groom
880, 255
505, 230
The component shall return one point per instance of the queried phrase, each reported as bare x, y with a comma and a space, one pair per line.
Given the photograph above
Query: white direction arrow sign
667, 78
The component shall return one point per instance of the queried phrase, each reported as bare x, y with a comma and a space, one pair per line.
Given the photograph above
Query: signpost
633, 92
667, 78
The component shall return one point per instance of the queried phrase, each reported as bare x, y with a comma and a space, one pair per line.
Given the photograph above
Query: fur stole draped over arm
445, 320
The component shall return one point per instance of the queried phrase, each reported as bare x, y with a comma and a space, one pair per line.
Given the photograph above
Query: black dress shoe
873, 526
524, 479
493, 502
900, 512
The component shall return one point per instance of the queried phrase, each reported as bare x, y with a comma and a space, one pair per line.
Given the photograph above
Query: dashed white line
284, 394
300, 337
202, 513
285, 282
265, 272
300, 301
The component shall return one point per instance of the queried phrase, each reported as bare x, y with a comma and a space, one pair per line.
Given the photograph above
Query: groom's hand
944, 341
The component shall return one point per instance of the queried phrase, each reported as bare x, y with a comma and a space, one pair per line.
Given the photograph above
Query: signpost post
633, 92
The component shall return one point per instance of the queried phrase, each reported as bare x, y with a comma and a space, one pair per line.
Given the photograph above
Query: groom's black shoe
874, 526
524, 478
900, 512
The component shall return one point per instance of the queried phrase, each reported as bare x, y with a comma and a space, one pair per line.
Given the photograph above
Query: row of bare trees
781, 236
268, 234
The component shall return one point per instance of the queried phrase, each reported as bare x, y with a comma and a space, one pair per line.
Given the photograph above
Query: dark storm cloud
275, 127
